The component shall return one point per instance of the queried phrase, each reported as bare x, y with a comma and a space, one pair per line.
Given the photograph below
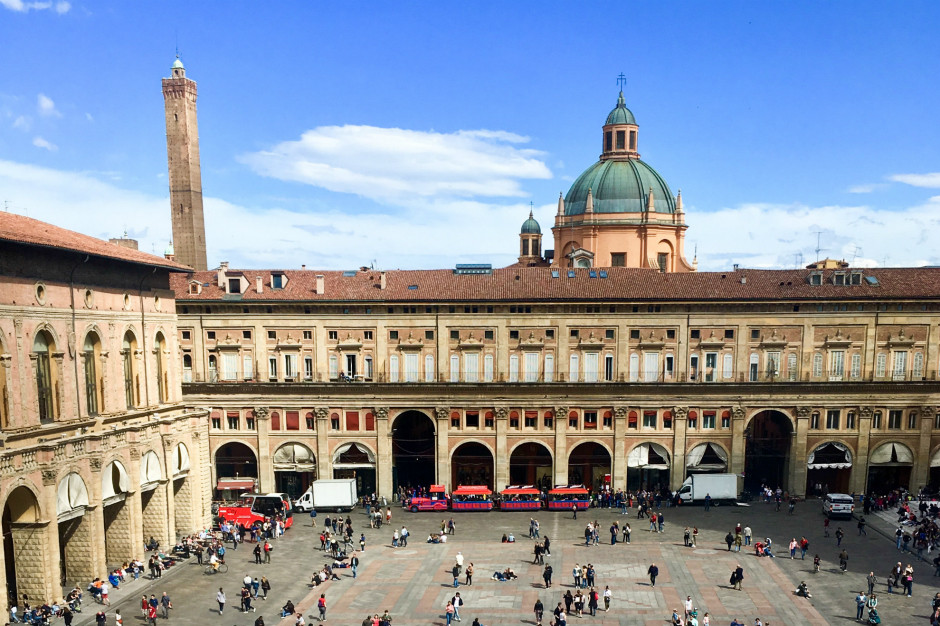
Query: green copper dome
619, 186
621, 114
530, 226
177, 64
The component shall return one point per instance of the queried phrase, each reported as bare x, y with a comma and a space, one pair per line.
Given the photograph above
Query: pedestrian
576, 574
839, 535
653, 572
607, 596
469, 574
794, 544
539, 611
65, 612
265, 587
321, 606
688, 607
861, 526
220, 598
100, 618
694, 535
362, 542
825, 527
354, 564
592, 602
729, 539
457, 601
547, 576
257, 550
860, 602
166, 604
738, 577
804, 546
300, 620
144, 605
267, 551
661, 521
152, 616
626, 533
872, 579
747, 535
687, 537
456, 572
708, 502
449, 612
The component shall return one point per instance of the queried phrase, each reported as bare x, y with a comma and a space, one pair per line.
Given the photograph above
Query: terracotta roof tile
27, 230
513, 284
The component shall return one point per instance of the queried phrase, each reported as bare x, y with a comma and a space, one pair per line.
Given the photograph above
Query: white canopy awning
892, 454
294, 456
697, 459
831, 455
935, 459
150, 472
180, 461
71, 498
114, 483
370, 457
639, 457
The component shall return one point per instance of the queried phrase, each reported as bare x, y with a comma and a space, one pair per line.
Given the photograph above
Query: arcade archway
23, 544
706, 458
934, 478
413, 451
531, 464
119, 539
767, 450
354, 460
829, 465
236, 470
75, 529
589, 465
295, 468
182, 490
889, 467
648, 467
471, 464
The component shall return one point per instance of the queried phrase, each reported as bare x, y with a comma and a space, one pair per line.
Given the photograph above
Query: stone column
153, 515
95, 514
858, 481
677, 469
796, 476
324, 459
384, 460
501, 456
736, 463
183, 518
561, 444
441, 424
618, 470
134, 506
47, 503
120, 545
265, 462
169, 450
920, 474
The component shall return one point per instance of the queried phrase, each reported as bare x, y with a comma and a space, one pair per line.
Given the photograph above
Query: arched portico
472, 464
24, 545
413, 450
589, 464
767, 439
356, 460
889, 467
648, 467
120, 540
829, 465
153, 504
530, 463
295, 468
183, 505
705, 458
236, 470
75, 527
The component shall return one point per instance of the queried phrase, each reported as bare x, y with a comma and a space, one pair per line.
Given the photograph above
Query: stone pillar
95, 514
441, 424
677, 469
134, 505
920, 474
561, 444
183, 518
736, 463
266, 482
618, 470
48, 503
153, 515
120, 545
324, 459
501, 456
169, 450
383, 447
858, 480
200, 477
76, 538
31, 560
796, 476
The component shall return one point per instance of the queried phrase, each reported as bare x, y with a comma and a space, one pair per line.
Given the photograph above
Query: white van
305, 502
838, 504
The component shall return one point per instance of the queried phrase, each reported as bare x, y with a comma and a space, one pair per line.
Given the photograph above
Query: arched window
549, 367
131, 388
46, 376
213, 369
187, 368
4, 395
162, 386
91, 355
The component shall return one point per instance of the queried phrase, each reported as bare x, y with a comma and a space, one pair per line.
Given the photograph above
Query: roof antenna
855, 253
818, 249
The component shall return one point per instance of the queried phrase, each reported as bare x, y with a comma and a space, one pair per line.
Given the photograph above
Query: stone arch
767, 453
829, 464
355, 459
527, 466
234, 459
46, 327
24, 541
785, 412
295, 466
151, 470
392, 420
472, 462
75, 529
648, 466
414, 449
590, 461
701, 459
890, 465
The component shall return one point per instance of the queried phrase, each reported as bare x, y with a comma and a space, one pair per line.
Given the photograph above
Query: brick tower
182, 150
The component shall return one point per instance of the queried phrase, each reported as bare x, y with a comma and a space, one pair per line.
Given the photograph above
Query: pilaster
383, 446
738, 443
920, 474
618, 470
679, 423
858, 480
441, 424
96, 514
796, 474
561, 441
324, 459
265, 465
501, 460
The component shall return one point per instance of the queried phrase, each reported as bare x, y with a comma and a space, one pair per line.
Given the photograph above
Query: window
662, 259
250, 421
918, 372
272, 368
530, 367
670, 366
549, 374
514, 419
894, 419
455, 420
814, 420
609, 333
832, 419
334, 367
272, 335
352, 420
696, 333
936, 421
488, 334
621, 139
573, 419
573, 368
488, 420
881, 363
753, 367
608, 419
608, 367
573, 333
693, 367
229, 366
727, 368
429, 373
725, 419
454, 368
233, 420
791, 367
367, 335
635, 333
590, 419
631, 420
817, 365
729, 333
650, 366
471, 367
235, 285
334, 421
649, 419
393, 368
187, 368
531, 419
708, 419
308, 368
912, 420
210, 335
332, 335
548, 420
856, 367
711, 364
590, 367
91, 355
608, 141
455, 335
876, 420
514, 368
850, 420
393, 335
692, 420
633, 140
513, 334
899, 369
412, 367
308, 335
755, 334
836, 364
213, 369
290, 367
277, 281
472, 419
216, 423
618, 259
186, 335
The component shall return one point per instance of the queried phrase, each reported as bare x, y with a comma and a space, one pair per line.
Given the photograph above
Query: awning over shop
830, 455
71, 497
236, 484
294, 456
935, 459
114, 483
353, 455
707, 456
892, 454
649, 456
180, 461
150, 472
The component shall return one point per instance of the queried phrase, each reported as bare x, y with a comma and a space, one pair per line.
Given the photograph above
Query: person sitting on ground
802, 590
434, 538
676, 620
505, 539
287, 609
511, 538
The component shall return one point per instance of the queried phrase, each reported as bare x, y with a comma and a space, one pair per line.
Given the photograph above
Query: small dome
619, 186
530, 226
621, 114
177, 65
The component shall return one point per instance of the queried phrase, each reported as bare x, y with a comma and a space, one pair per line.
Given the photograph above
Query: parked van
838, 504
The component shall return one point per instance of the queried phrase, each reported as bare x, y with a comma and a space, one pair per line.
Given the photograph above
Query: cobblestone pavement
414, 583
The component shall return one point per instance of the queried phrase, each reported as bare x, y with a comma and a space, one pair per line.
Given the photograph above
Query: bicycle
221, 569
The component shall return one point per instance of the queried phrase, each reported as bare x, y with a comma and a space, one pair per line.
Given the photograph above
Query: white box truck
721, 488
329, 495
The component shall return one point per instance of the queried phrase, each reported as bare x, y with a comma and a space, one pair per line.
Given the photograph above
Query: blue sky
415, 135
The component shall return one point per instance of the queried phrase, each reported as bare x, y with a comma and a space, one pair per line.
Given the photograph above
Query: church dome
619, 186
530, 226
177, 64
621, 114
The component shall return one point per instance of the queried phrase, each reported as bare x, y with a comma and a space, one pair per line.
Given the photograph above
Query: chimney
382, 281
223, 267
320, 285
303, 267
259, 284
735, 266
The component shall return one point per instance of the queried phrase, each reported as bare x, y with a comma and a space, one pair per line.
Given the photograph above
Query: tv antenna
855, 252
818, 249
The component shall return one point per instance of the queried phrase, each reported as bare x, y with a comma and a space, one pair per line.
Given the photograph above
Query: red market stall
472, 498
436, 500
520, 498
563, 497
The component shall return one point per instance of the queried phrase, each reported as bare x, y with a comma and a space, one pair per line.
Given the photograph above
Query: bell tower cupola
530, 241
620, 132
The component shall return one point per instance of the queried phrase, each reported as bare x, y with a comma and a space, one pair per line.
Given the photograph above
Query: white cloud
398, 166
22, 123
39, 142
22, 7
46, 106
866, 187
89, 117
774, 236
931, 180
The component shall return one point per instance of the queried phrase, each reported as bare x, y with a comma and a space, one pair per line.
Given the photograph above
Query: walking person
166, 605
321, 607
265, 587
860, 602
653, 572
449, 612
738, 577
539, 611
607, 596
457, 601
547, 576
872, 579
861, 526
456, 572
469, 574
220, 598
747, 535
354, 564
